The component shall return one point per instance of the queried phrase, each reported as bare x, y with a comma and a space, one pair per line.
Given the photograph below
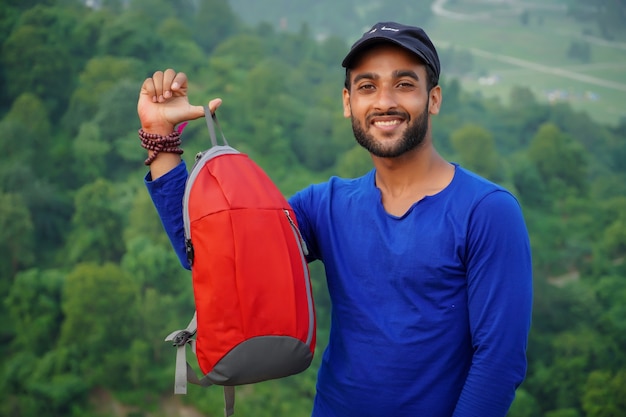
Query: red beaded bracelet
159, 143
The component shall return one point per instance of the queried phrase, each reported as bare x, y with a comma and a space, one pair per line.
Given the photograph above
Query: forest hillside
89, 283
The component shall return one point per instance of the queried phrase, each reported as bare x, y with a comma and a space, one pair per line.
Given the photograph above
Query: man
428, 265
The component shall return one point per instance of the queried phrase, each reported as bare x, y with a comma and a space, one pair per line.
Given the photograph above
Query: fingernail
175, 85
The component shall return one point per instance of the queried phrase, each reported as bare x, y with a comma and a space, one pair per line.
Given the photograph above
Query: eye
366, 87
406, 85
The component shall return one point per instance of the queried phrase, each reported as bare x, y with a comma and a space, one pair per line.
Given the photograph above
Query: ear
347, 110
434, 103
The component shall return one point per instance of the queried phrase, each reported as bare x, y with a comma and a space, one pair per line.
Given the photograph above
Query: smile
387, 123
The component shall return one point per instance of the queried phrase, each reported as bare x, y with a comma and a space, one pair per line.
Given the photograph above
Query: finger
157, 79
147, 88
179, 84
168, 77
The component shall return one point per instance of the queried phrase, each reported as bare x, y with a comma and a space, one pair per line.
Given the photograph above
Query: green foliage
89, 283
560, 161
354, 163
92, 293
100, 75
477, 151
123, 37
212, 22
96, 226
524, 405
605, 394
42, 35
35, 310
17, 234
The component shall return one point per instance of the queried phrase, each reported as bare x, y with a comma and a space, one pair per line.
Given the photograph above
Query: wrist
158, 128
156, 144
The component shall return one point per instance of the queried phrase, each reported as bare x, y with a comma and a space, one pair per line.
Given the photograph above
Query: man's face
388, 101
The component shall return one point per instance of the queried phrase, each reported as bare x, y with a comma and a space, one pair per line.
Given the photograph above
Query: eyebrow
406, 73
396, 74
365, 76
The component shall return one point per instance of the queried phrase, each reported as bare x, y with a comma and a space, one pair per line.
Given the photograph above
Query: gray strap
211, 122
185, 373
229, 400
181, 338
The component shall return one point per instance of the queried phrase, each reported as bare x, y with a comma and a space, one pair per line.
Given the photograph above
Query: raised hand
163, 102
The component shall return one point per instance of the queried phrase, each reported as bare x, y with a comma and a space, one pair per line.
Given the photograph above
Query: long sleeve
167, 195
499, 279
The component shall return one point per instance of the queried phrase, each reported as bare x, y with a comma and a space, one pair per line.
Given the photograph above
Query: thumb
196, 112
215, 104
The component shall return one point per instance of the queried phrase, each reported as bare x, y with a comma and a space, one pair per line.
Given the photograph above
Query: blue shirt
430, 310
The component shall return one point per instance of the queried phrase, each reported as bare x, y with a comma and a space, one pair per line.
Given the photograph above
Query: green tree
143, 220
35, 310
16, 234
521, 119
312, 141
46, 204
576, 353
611, 294
179, 47
117, 123
524, 405
123, 37
89, 153
613, 237
266, 113
476, 148
35, 388
605, 394
213, 21
155, 266
99, 303
27, 120
97, 226
560, 160
529, 186
100, 75
354, 163
42, 34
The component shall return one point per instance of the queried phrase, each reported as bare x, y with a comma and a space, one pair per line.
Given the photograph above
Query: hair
431, 78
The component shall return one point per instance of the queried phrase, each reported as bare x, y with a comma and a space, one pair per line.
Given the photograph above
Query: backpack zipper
304, 251
200, 159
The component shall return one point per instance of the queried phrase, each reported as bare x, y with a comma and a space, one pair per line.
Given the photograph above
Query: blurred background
534, 99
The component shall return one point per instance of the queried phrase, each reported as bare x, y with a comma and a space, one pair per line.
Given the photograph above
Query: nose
385, 99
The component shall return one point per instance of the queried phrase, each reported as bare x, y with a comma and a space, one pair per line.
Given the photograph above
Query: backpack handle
211, 122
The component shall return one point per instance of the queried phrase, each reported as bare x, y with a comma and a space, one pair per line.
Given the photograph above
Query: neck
417, 173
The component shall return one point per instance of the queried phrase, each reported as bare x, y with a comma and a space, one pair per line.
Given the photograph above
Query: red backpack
255, 318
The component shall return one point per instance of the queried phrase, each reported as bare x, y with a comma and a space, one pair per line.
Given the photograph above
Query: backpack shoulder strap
184, 372
180, 339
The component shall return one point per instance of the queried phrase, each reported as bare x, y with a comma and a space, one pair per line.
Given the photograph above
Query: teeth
388, 123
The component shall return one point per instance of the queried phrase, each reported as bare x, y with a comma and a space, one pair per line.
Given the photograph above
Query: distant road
550, 70
438, 8
514, 8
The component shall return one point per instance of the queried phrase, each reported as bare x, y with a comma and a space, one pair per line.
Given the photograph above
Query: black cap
411, 38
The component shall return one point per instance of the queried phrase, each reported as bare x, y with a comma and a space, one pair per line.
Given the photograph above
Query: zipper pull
189, 251
303, 245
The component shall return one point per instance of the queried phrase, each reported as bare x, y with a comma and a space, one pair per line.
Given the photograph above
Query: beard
412, 137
